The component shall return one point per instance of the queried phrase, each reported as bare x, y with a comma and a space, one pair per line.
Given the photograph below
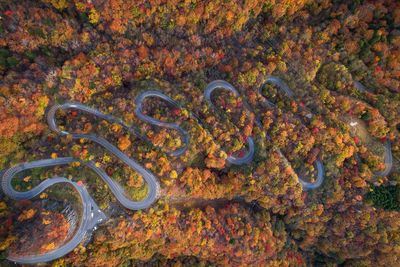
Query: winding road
289, 93
150, 179
220, 84
91, 214
388, 158
139, 113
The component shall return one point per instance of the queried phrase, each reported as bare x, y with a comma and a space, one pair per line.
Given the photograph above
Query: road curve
286, 90
220, 84
387, 145
139, 113
151, 180
91, 214
388, 160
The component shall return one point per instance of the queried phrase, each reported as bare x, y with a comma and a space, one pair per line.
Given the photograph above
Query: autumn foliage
340, 58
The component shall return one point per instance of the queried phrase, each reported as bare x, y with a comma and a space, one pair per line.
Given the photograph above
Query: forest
311, 98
